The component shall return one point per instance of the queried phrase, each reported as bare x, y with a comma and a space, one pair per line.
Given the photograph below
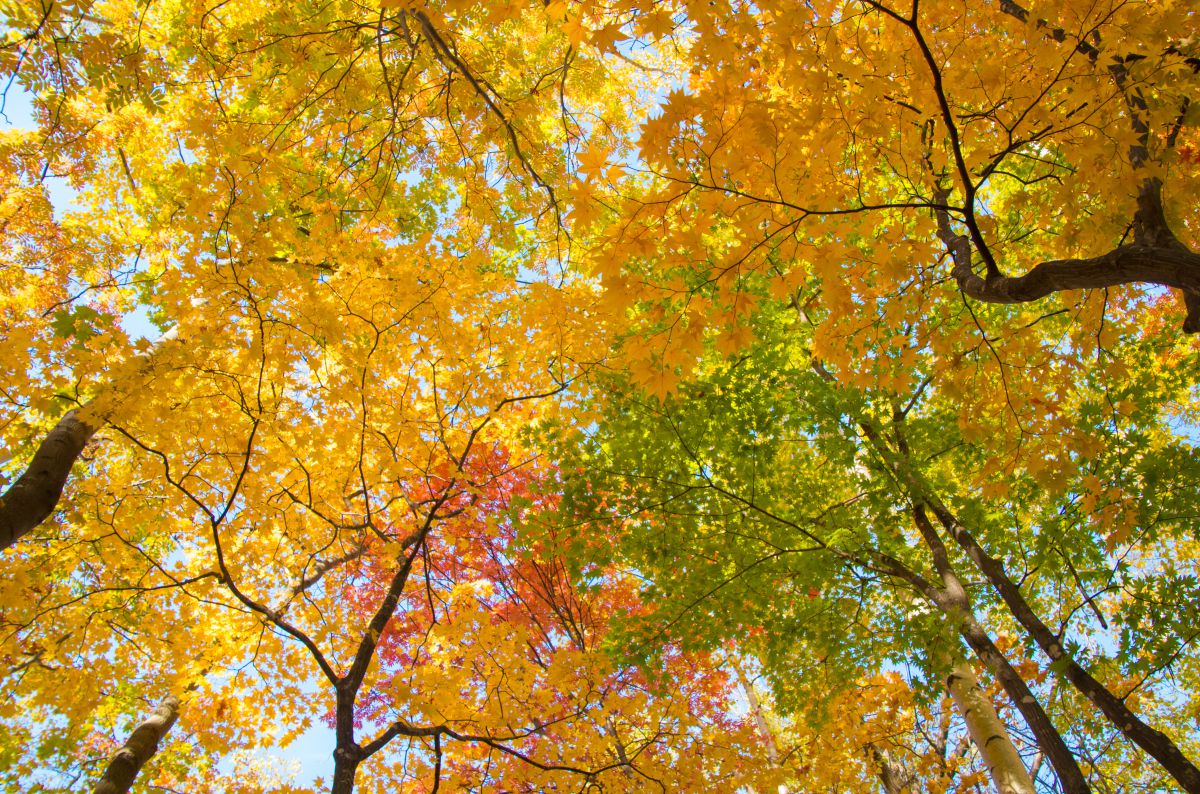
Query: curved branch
1127, 264
1155, 256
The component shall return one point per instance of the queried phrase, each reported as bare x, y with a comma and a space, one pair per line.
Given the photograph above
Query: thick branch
955, 603
1154, 257
35, 494
140, 748
1128, 264
1152, 741
892, 775
33, 497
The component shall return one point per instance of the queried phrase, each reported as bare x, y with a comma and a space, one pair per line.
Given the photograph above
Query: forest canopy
600, 396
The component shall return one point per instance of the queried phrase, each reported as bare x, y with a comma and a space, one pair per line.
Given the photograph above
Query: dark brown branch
403, 728
969, 185
445, 53
325, 566
1154, 257
35, 494
1152, 741
954, 601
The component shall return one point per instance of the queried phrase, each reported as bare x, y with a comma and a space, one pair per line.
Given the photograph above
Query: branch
1155, 257
444, 53
325, 566
403, 728
35, 494
141, 746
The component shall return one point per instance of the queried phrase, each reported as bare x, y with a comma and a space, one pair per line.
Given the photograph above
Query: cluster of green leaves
760, 507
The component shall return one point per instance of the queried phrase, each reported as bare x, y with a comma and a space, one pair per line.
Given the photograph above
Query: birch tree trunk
756, 709
1156, 743
1004, 763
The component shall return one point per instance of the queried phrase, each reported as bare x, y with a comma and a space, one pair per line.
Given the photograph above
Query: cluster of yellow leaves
353, 234
875, 730
368, 229
801, 157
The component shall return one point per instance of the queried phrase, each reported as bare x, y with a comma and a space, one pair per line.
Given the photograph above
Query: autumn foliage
599, 395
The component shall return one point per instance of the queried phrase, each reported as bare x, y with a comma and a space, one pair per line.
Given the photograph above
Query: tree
791, 498
880, 734
380, 253
857, 150
353, 223
140, 747
219, 168
529, 646
858, 163
929, 146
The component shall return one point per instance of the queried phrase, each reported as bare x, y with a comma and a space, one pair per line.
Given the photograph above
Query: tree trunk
345, 767
891, 775
756, 709
1070, 776
1157, 744
954, 602
33, 497
1003, 762
142, 744
1152, 741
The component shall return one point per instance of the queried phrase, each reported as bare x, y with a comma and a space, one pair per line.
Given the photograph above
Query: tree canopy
600, 396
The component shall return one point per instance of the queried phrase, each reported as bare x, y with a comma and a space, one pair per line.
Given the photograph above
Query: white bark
989, 734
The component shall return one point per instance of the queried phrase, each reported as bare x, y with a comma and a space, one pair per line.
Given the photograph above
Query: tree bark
345, 767
1157, 744
1070, 776
35, 494
141, 746
892, 776
760, 718
954, 602
347, 753
1155, 256
1003, 762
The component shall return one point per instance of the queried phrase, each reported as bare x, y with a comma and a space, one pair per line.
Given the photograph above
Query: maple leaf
594, 161
658, 23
